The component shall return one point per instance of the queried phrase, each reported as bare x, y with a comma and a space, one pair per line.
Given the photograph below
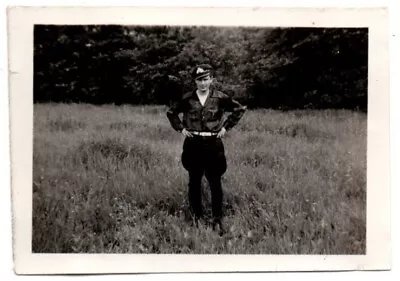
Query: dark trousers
204, 156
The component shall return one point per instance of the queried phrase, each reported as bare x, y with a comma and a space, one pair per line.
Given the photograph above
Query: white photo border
21, 21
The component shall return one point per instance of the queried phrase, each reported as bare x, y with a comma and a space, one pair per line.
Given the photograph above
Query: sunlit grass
109, 179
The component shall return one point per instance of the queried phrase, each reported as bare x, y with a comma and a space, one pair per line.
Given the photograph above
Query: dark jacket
208, 118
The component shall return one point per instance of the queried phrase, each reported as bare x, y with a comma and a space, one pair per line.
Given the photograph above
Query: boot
218, 226
195, 220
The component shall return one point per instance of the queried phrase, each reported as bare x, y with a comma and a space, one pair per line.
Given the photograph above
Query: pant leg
216, 194
192, 161
215, 167
195, 199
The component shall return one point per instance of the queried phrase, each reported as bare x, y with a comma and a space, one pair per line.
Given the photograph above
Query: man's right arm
173, 115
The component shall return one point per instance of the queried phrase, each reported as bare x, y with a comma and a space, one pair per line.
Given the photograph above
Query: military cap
201, 70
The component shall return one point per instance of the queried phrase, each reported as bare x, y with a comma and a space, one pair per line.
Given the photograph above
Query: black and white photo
204, 139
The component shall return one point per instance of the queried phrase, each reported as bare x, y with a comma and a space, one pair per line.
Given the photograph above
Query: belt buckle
207, 134
203, 134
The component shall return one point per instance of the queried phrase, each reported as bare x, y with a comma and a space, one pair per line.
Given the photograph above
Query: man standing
204, 124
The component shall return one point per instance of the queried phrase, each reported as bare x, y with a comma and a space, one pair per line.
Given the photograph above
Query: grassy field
108, 179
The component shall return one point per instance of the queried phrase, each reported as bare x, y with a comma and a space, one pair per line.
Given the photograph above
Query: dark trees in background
80, 64
311, 68
281, 68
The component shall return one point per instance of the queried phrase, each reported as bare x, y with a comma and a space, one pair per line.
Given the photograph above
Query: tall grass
108, 179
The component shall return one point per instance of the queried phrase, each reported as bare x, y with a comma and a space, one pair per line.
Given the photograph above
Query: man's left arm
236, 112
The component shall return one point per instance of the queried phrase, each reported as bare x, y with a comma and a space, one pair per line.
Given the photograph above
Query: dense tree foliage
262, 67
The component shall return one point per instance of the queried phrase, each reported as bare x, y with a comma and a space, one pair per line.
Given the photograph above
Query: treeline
262, 67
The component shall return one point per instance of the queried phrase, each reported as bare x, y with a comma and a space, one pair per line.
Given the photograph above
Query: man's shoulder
219, 94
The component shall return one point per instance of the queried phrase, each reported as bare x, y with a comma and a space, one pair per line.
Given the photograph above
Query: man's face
203, 84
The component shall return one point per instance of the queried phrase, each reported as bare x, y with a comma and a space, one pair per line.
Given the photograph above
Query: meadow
108, 179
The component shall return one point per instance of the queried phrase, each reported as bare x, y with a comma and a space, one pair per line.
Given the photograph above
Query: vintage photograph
199, 139
155, 140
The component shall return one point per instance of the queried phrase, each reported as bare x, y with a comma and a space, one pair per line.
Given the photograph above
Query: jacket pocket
193, 115
212, 114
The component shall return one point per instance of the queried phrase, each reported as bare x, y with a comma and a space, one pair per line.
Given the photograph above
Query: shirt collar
210, 93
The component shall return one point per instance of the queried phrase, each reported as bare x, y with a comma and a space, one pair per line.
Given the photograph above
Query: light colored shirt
202, 98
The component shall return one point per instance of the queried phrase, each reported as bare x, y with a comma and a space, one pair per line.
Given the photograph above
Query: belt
204, 134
